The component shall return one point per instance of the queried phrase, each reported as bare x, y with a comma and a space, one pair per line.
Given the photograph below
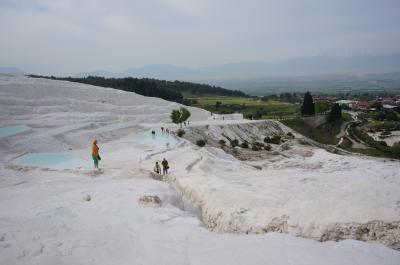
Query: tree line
168, 90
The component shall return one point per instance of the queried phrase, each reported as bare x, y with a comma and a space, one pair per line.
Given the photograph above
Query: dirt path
344, 131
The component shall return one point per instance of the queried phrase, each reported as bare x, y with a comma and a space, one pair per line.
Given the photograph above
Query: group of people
163, 169
164, 166
164, 130
212, 115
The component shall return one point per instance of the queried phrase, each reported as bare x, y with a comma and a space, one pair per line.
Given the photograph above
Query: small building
364, 105
352, 104
389, 107
387, 100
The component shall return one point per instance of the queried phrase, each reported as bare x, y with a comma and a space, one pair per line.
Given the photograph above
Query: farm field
250, 107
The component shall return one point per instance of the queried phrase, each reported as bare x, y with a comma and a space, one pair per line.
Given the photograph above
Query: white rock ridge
46, 216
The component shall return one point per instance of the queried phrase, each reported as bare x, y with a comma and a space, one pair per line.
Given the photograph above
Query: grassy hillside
251, 107
320, 134
323, 134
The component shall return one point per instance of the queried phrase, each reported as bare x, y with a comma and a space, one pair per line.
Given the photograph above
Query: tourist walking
95, 154
157, 168
165, 166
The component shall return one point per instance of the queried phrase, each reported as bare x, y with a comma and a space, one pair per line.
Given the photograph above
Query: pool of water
48, 160
11, 130
159, 139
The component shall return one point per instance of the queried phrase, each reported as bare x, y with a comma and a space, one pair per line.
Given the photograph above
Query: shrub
255, 115
234, 142
248, 116
267, 147
396, 149
201, 142
267, 140
276, 139
222, 142
255, 147
382, 143
258, 144
391, 116
244, 145
180, 132
290, 134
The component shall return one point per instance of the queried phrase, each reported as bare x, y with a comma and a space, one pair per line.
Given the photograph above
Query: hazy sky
70, 36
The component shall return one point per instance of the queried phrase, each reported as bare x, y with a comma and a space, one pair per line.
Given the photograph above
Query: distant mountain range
334, 83
11, 71
318, 73
316, 65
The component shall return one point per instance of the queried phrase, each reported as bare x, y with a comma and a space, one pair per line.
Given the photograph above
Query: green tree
396, 149
185, 114
335, 113
175, 116
377, 105
180, 116
321, 107
391, 116
308, 107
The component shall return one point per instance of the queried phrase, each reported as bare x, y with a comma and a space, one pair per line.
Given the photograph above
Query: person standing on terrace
95, 154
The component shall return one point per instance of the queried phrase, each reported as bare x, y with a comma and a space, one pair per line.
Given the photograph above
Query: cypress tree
308, 107
335, 113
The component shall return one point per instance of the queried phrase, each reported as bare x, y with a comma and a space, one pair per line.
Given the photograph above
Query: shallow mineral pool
159, 139
49, 160
11, 130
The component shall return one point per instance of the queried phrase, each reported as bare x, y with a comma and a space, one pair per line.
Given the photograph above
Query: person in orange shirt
95, 154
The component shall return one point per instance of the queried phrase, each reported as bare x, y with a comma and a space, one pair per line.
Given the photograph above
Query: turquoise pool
11, 130
159, 139
48, 160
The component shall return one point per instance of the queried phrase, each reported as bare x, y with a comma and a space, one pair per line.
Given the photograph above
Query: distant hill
328, 84
316, 65
11, 71
167, 90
